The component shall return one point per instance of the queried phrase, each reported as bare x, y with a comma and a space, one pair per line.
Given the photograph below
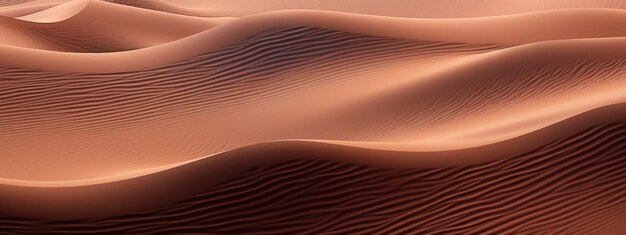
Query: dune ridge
255, 78
253, 64
166, 6
79, 200
57, 13
278, 199
95, 26
401, 8
507, 30
27, 8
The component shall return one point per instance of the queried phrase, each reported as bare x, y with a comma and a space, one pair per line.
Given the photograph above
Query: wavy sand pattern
312, 117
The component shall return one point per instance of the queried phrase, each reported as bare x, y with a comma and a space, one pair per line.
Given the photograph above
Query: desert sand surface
312, 117
94, 26
399, 8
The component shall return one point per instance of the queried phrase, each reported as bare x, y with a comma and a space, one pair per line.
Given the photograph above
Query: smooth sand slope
13, 2
95, 26
158, 116
167, 6
505, 30
400, 8
29, 7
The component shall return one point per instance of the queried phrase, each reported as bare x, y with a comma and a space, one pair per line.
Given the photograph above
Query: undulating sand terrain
312, 117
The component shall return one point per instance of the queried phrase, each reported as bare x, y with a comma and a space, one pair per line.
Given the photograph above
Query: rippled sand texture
320, 117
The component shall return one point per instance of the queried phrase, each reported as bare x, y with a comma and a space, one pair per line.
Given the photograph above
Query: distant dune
78, 26
155, 116
399, 8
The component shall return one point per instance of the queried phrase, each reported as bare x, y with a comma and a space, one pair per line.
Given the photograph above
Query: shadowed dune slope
222, 78
234, 79
177, 112
573, 185
95, 26
502, 30
515, 79
100, 198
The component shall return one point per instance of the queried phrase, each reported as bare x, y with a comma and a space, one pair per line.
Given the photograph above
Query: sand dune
113, 113
508, 30
554, 171
13, 2
398, 8
94, 26
57, 13
167, 6
30, 7
157, 116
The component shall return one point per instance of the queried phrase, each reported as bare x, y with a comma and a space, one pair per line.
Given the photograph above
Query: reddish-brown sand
314, 117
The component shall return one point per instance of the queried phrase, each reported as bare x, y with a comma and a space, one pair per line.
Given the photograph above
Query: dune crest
57, 13
94, 26
598, 147
170, 7
507, 30
399, 8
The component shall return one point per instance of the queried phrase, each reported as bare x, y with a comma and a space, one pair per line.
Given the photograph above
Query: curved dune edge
183, 181
401, 8
508, 30
28, 8
495, 69
592, 51
77, 26
406, 8
575, 185
425, 154
57, 13
166, 6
